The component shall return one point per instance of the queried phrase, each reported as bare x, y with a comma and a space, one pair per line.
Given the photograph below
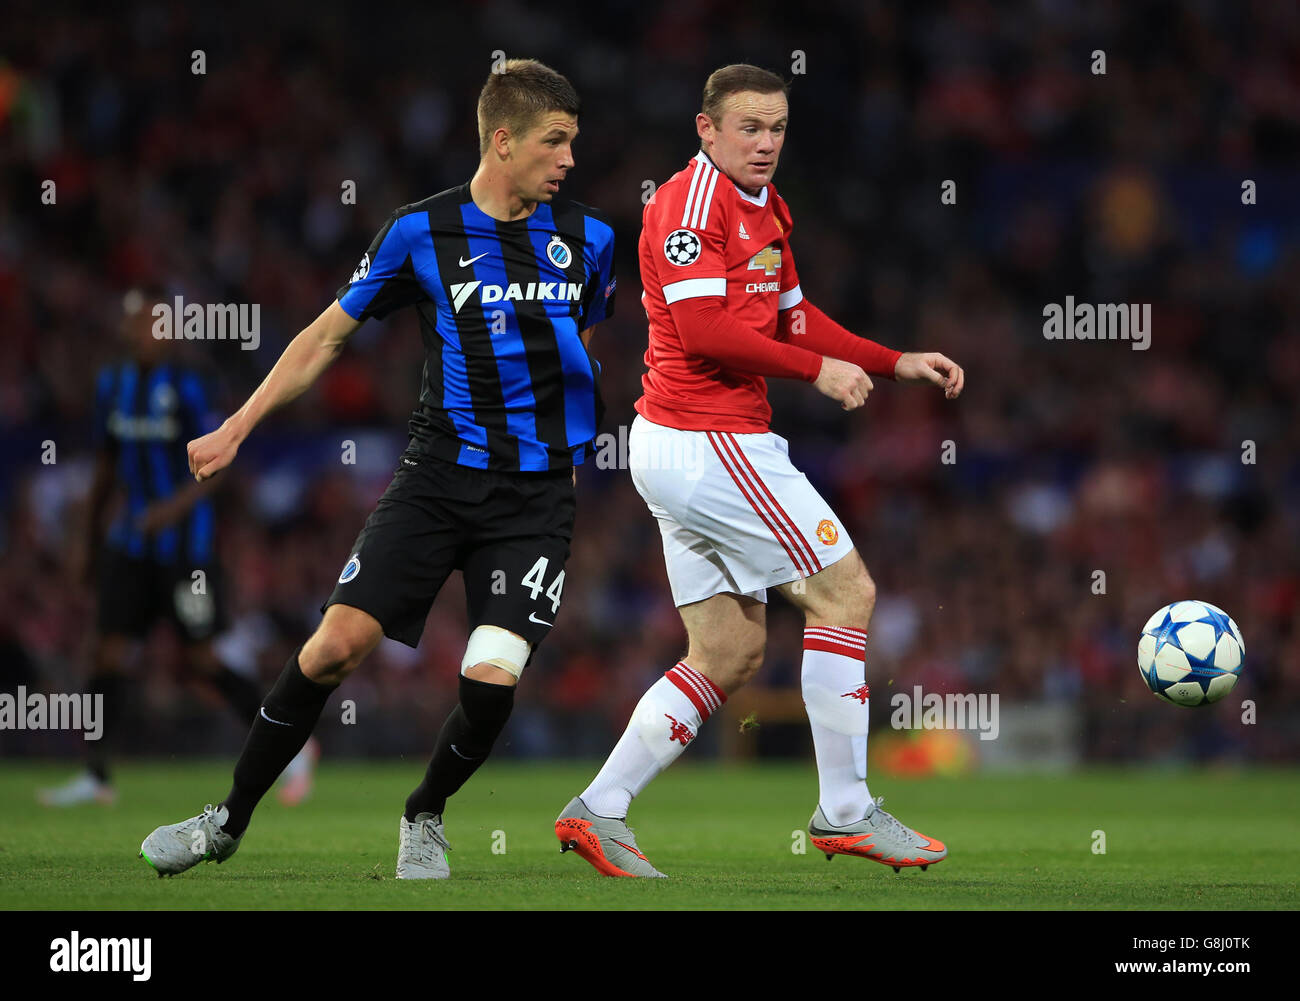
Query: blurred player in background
158, 561
726, 310
508, 280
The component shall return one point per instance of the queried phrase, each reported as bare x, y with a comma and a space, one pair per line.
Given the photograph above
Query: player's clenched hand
843, 382
213, 452
930, 366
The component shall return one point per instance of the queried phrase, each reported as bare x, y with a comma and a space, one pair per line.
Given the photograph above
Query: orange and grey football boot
877, 836
605, 842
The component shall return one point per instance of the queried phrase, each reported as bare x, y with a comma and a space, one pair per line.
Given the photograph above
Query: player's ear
502, 141
704, 127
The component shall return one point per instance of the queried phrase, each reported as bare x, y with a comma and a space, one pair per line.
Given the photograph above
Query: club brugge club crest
350, 569
558, 251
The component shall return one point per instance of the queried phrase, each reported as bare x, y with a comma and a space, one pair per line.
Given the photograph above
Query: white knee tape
836, 710
498, 647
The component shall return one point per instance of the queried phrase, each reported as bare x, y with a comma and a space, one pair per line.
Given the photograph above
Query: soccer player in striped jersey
157, 561
508, 280
726, 311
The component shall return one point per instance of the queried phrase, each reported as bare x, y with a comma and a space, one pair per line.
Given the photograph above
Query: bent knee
338, 647
866, 596
749, 663
851, 604
728, 667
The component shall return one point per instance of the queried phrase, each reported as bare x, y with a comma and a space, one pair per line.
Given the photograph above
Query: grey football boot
83, 788
606, 843
877, 836
182, 846
422, 848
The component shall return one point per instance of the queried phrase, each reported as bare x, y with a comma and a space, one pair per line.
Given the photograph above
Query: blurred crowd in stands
1174, 471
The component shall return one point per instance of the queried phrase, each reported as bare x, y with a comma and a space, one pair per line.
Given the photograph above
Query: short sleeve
602, 283
385, 280
687, 239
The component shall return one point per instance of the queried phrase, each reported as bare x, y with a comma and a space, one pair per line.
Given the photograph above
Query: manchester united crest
827, 532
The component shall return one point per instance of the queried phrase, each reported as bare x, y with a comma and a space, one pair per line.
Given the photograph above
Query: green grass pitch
1179, 839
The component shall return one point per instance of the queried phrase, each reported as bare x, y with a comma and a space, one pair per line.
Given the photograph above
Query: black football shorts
509, 534
135, 593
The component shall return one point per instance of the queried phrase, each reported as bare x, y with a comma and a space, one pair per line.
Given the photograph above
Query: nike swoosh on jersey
532, 617
464, 263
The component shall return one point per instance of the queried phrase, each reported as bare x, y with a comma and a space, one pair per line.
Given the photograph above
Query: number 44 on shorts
534, 581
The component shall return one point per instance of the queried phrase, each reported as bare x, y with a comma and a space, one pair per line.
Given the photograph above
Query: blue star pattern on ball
1191, 653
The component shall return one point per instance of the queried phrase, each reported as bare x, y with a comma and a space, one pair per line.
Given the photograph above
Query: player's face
137, 328
746, 144
542, 157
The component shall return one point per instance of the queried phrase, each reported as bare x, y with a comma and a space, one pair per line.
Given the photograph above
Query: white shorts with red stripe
735, 515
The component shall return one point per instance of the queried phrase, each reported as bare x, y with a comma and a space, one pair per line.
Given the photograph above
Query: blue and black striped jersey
146, 418
508, 383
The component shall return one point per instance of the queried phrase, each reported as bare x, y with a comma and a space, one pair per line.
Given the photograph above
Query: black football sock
241, 693
464, 743
284, 722
113, 688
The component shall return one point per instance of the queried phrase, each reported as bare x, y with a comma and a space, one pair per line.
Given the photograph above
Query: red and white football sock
836, 696
666, 719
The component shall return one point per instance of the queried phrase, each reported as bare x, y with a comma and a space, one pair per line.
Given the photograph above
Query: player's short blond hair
518, 94
735, 79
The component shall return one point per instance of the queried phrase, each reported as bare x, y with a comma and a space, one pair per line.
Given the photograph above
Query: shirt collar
760, 200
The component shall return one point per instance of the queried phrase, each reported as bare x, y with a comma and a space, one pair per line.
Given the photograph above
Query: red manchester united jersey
704, 238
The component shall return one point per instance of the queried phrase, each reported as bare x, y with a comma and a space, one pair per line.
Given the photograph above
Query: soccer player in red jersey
726, 312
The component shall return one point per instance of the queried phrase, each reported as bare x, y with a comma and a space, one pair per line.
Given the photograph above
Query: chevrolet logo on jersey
515, 292
767, 260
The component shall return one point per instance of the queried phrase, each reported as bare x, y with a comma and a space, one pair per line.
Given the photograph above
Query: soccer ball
1191, 653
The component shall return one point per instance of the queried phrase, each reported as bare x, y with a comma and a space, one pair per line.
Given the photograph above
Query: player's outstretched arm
805, 324
844, 382
306, 357
707, 330
931, 366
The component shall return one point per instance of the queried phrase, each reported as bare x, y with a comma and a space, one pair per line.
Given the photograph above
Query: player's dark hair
516, 95
734, 79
